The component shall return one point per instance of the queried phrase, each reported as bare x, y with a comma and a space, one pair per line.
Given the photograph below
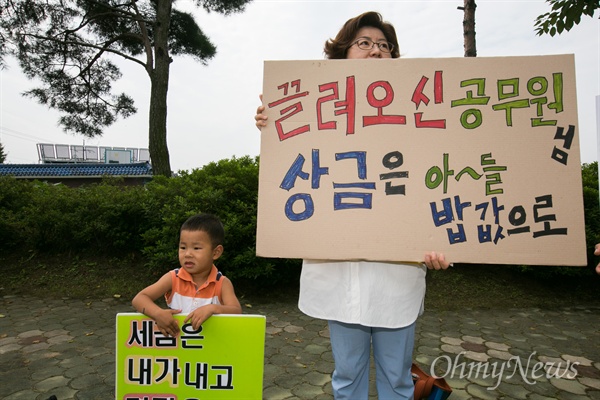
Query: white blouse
376, 294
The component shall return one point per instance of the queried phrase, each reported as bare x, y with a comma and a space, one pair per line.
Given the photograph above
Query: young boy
197, 288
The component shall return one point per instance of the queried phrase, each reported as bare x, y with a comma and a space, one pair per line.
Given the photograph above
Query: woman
366, 302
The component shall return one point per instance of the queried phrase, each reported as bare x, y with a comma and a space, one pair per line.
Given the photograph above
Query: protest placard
477, 158
223, 359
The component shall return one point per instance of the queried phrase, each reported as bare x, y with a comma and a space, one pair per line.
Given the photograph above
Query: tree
469, 28
2, 154
70, 45
564, 15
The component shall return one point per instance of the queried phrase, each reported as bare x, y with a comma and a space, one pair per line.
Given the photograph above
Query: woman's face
374, 35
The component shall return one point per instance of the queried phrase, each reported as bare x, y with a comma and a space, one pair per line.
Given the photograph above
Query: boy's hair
206, 223
338, 47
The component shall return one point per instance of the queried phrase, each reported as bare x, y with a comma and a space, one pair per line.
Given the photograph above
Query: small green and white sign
223, 359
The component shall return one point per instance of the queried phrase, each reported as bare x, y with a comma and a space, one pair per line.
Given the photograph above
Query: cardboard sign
386, 160
224, 359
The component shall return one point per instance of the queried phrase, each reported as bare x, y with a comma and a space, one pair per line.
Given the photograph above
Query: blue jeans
392, 351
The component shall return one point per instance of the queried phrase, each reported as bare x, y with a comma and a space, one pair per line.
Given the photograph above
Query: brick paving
65, 347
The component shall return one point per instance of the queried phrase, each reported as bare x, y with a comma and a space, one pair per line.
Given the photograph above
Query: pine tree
67, 45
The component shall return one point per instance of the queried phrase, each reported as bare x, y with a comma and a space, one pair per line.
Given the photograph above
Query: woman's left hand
434, 260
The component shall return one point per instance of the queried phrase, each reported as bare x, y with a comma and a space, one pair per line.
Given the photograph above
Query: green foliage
591, 203
67, 46
228, 189
14, 198
2, 154
119, 221
111, 219
564, 15
55, 218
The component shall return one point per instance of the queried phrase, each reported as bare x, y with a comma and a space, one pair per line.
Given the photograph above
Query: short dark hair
336, 49
208, 223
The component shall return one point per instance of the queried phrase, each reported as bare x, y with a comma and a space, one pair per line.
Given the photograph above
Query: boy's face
196, 252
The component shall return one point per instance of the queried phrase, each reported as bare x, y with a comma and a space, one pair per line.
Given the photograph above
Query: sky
211, 108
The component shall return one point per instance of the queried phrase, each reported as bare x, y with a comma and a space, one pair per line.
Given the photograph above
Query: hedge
110, 218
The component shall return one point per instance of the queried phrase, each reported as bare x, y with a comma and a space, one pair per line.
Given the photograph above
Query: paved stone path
66, 347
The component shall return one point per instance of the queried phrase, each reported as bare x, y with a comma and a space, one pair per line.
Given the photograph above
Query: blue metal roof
76, 170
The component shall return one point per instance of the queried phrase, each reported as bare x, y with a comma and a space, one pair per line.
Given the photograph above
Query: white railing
52, 153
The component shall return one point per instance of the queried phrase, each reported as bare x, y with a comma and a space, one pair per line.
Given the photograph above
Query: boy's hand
199, 315
166, 324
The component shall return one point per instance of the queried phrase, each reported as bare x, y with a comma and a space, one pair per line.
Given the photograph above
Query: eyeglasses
364, 43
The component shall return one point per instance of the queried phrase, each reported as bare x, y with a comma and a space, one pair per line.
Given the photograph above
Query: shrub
15, 196
591, 203
109, 218
98, 218
228, 189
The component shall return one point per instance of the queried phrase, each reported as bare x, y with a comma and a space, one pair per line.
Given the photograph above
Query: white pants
392, 351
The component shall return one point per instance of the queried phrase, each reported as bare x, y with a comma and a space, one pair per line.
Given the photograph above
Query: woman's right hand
597, 252
261, 119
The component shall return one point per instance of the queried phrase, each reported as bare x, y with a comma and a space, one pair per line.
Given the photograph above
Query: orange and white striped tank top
185, 295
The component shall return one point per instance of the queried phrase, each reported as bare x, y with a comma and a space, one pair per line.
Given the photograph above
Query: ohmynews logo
529, 372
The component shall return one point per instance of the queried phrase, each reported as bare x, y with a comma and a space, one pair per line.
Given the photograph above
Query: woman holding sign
365, 302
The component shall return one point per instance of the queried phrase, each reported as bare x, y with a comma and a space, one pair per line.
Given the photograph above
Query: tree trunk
469, 28
159, 77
